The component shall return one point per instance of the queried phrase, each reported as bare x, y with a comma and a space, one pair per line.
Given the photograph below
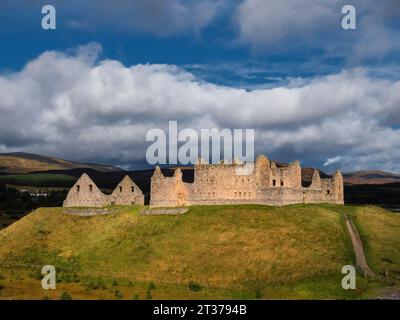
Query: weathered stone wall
218, 183
127, 193
89, 212
287, 177
164, 211
167, 191
85, 193
325, 190
235, 184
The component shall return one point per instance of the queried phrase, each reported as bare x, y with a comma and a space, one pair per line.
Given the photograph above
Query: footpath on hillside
358, 247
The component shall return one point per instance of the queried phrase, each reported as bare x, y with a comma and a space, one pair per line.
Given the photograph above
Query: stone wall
168, 191
325, 190
236, 184
164, 211
127, 193
287, 177
85, 193
262, 182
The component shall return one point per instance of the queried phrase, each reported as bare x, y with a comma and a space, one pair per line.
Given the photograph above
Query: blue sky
216, 45
285, 54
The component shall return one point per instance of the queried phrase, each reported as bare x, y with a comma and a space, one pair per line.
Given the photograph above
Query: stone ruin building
262, 182
223, 183
85, 193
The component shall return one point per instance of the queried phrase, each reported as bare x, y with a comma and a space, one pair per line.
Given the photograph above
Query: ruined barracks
85, 193
262, 182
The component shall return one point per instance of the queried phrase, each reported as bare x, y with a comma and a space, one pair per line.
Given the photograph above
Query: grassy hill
21, 162
214, 252
370, 177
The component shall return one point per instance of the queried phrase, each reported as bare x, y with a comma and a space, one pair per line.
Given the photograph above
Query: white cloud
266, 22
332, 161
288, 25
73, 106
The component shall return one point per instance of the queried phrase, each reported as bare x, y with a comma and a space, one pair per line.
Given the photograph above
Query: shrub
65, 296
136, 297
67, 277
193, 286
148, 295
36, 274
152, 286
118, 294
94, 284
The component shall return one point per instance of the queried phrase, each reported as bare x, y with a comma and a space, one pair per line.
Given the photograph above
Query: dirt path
361, 260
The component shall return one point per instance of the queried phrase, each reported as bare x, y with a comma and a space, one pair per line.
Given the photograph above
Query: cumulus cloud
72, 105
264, 22
292, 24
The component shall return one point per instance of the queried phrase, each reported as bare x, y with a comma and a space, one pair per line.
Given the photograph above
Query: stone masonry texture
85, 193
260, 183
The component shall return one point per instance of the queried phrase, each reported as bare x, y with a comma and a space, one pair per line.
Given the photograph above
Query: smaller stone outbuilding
85, 193
127, 193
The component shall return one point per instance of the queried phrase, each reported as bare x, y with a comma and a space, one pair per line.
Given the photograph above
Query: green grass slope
213, 252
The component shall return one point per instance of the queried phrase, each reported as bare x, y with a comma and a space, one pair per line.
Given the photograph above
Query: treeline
385, 195
39, 180
14, 202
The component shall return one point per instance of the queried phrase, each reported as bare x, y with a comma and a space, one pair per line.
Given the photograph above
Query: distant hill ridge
21, 162
370, 177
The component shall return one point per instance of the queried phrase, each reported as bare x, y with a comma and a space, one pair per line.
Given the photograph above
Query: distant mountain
21, 162
370, 177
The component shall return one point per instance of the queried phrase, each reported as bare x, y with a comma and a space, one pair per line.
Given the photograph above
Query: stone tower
338, 187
